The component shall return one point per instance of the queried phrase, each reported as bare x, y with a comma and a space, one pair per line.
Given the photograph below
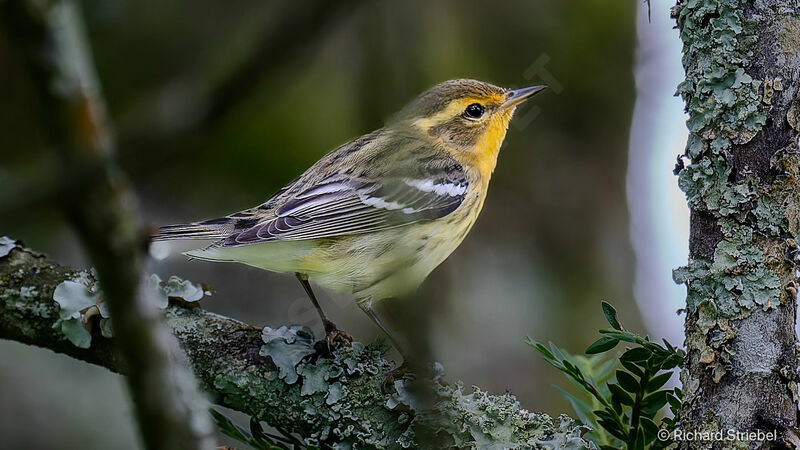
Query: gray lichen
435, 415
80, 299
735, 280
6, 244
726, 108
451, 417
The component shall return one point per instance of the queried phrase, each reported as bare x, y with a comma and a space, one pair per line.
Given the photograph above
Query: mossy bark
283, 378
742, 63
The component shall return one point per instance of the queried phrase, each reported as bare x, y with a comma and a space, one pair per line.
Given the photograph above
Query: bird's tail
195, 230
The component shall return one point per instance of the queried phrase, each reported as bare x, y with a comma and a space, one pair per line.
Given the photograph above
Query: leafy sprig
256, 437
622, 409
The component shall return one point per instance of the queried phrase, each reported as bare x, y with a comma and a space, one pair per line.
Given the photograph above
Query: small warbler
375, 216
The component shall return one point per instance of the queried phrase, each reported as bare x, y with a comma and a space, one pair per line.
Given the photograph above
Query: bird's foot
334, 334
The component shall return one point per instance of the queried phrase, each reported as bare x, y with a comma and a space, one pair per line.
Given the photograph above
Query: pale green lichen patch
159, 292
454, 418
6, 245
721, 97
287, 346
707, 186
735, 280
334, 398
74, 300
80, 299
339, 399
766, 216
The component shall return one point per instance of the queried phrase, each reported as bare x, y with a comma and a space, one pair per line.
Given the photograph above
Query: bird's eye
474, 111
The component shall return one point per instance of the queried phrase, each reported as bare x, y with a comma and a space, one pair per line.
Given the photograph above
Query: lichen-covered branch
280, 377
742, 63
49, 38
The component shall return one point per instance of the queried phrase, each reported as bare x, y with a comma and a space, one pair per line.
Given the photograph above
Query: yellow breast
484, 155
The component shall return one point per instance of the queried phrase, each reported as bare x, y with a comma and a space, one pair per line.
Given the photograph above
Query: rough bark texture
281, 377
49, 37
742, 62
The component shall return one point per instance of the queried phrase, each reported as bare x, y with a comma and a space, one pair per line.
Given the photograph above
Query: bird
375, 216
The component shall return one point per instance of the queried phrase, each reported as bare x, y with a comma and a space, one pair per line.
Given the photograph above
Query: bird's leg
397, 373
331, 332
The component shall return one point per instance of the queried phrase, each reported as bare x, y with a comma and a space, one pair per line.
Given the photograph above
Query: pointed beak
517, 96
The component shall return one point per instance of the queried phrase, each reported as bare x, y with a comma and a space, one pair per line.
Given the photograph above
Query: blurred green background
218, 104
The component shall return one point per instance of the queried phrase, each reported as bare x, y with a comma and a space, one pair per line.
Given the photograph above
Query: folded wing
341, 204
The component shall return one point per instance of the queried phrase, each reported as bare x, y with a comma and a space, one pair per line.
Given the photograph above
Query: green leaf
604, 371
255, 437
674, 402
656, 362
650, 429
657, 349
632, 368
657, 381
627, 382
573, 369
582, 409
262, 440
557, 352
654, 402
229, 428
674, 360
635, 355
541, 348
603, 344
613, 428
611, 315
639, 444
622, 335
616, 406
620, 395
605, 414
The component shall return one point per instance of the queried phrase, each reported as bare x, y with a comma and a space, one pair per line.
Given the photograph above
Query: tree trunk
742, 61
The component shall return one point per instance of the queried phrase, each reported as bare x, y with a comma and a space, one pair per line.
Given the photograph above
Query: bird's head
469, 117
